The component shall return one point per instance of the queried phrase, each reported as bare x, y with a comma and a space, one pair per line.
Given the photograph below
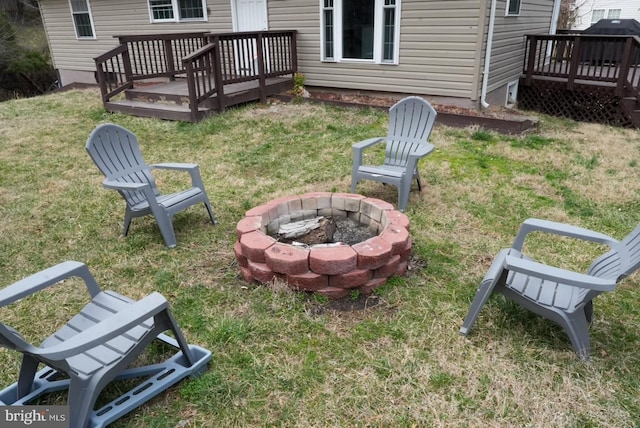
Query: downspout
554, 17
487, 56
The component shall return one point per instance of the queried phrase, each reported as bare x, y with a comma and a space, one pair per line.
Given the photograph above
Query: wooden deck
195, 74
170, 100
585, 78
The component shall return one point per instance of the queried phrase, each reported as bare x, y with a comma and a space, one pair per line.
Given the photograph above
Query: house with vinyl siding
587, 12
464, 52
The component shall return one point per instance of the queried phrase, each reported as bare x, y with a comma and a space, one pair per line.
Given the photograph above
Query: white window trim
377, 35
506, 9
75, 29
176, 14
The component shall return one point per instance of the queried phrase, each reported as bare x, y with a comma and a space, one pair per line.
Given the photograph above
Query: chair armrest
46, 278
109, 328
192, 168
358, 149
121, 185
551, 273
368, 143
422, 150
173, 165
562, 229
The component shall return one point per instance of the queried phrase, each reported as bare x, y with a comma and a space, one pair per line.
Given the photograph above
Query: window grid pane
83, 24
328, 33
614, 13
79, 6
389, 33
597, 15
161, 9
190, 9
514, 7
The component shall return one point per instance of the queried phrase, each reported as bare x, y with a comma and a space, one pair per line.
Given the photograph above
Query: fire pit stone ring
332, 270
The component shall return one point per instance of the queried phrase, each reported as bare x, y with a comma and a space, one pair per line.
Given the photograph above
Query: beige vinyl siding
114, 18
507, 52
438, 49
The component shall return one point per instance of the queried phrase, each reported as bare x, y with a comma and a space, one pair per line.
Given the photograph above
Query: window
614, 13
513, 7
177, 10
597, 15
360, 30
82, 20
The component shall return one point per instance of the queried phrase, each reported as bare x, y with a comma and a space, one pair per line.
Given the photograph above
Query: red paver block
346, 201
403, 267
316, 200
405, 254
332, 260
287, 259
372, 253
309, 281
254, 244
261, 272
395, 217
257, 211
397, 236
352, 279
374, 283
389, 269
242, 260
248, 224
378, 206
334, 292
246, 275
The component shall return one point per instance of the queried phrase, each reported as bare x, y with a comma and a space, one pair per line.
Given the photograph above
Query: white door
249, 15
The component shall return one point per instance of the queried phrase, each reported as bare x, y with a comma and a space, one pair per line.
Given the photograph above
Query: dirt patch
499, 119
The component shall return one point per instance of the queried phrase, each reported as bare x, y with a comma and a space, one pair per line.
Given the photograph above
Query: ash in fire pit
323, 230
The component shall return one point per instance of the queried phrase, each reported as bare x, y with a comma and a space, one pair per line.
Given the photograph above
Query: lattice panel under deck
597, 104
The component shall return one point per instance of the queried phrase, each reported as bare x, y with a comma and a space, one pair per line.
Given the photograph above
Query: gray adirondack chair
559, 295
410, 122
95, 347
116, 153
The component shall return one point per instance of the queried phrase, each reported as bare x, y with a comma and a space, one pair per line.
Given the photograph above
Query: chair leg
494, 276
588, 311
354, 182
127, 222
210, 211
27, 374
403, 194
417, 175
577, 329
166, 229
82, 398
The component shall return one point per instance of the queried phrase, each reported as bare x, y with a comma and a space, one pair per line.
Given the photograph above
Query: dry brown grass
285, 359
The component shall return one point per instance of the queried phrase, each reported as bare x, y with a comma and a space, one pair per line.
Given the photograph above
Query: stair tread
156, 106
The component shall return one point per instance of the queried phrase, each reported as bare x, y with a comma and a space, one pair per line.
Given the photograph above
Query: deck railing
207, 60
613, 60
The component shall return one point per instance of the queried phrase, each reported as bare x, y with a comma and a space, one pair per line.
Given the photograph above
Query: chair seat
101, 307
547, 293
384, 170
170, 200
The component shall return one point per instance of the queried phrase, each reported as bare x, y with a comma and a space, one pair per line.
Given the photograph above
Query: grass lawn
287, 359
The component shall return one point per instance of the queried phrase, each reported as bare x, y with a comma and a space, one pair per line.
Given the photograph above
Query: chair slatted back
621, 261
116, 153
410, 123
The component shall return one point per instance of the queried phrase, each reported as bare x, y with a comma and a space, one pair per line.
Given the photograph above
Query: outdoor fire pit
332, 269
